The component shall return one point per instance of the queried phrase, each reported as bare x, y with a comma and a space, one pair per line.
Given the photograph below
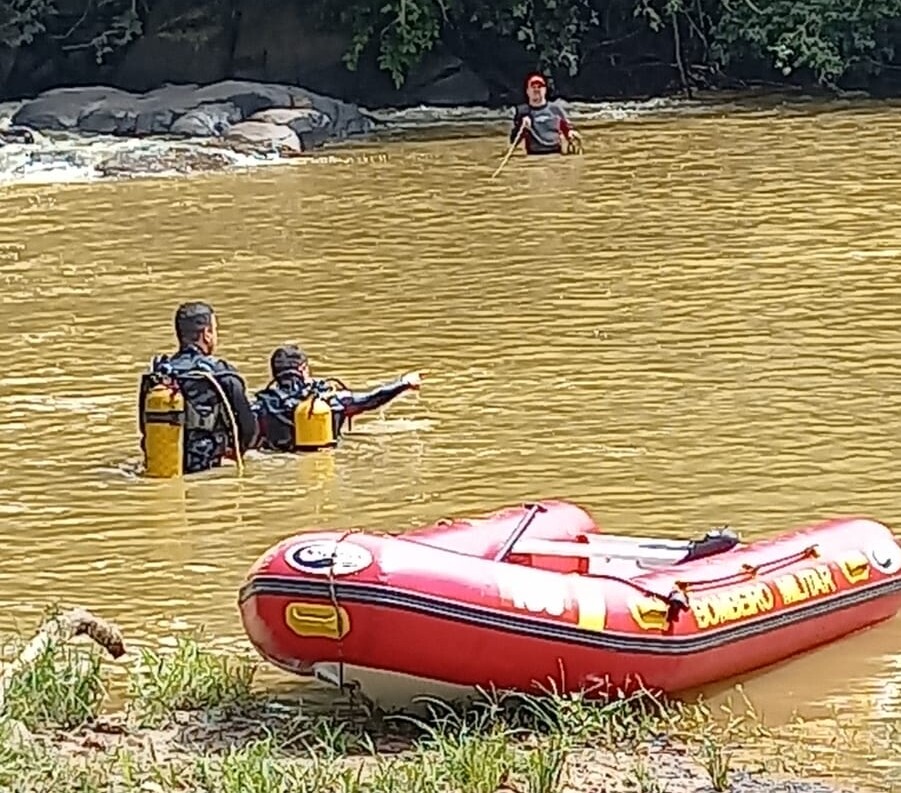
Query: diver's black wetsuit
208, 435
274, 405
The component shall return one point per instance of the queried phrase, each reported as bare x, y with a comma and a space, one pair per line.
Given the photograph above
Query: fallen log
59, 629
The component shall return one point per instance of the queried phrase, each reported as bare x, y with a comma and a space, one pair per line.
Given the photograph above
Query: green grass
191, 678
193, 721
62, 688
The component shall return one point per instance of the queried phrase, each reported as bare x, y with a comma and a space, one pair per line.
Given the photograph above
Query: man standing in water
204, 381
292, 384
543, 125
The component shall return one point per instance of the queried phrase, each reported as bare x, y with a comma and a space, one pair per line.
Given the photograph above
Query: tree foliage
827, 37
103, 26
821, 40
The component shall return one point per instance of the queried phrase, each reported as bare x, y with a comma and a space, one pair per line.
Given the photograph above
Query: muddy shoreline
252, 747
196, 718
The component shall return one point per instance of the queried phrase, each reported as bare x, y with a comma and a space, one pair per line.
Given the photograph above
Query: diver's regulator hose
233, 424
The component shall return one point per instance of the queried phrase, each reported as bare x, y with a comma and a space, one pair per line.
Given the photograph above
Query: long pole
509, 151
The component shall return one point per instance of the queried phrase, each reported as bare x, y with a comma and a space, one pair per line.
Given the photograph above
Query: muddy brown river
694, 324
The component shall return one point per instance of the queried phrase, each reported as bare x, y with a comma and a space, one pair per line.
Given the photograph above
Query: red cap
534, 79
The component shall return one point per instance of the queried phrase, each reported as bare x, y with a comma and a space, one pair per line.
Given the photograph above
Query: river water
693, 324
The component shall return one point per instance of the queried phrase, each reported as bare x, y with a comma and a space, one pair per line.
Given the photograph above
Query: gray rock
458, 88
272, 136
346, 119
209, 120
62, 108
118, 116
160, 108
311, 126
281, 115
250, 97
193, 110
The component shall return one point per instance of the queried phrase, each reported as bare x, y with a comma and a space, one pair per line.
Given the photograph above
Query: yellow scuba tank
313, 427
164, 431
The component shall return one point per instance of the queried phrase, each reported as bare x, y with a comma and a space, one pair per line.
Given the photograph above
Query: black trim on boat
373, 594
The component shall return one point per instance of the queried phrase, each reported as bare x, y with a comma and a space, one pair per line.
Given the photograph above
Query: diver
193, 408
296, 412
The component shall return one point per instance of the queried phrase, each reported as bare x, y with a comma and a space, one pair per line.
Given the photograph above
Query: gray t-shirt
549, 122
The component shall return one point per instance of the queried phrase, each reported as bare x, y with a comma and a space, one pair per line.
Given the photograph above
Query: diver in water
296, 412
193, 408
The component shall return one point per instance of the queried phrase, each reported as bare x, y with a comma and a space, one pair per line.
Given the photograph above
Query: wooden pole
57, 630
509, 151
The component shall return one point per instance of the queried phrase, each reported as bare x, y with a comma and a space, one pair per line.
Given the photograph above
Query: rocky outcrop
285, 116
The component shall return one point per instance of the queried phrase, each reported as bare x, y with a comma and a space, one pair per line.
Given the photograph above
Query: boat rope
749, 571
333, 596
674, 598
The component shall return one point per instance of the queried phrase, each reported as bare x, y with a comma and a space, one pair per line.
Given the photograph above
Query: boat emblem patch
328, 557
886, 558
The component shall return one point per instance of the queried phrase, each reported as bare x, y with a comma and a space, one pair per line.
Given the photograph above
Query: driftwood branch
57, 630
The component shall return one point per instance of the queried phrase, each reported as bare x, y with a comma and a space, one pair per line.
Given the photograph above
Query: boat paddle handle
520, 529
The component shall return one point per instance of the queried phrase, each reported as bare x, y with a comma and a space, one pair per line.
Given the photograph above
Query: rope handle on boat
676, 599
333, 596
749, 571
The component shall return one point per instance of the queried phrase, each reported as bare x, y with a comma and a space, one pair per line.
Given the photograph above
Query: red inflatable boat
538, 597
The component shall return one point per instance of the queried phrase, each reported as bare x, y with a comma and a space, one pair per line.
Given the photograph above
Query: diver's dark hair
192, 319
288, 358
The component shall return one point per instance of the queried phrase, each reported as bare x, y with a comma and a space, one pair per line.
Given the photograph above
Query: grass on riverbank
194, 721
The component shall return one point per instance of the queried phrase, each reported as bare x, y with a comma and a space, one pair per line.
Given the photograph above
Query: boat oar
509, 151
527, 519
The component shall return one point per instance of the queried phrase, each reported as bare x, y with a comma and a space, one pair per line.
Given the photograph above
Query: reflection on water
694, 324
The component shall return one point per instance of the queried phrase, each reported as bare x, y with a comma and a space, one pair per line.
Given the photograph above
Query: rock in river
304, 119
273, 136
